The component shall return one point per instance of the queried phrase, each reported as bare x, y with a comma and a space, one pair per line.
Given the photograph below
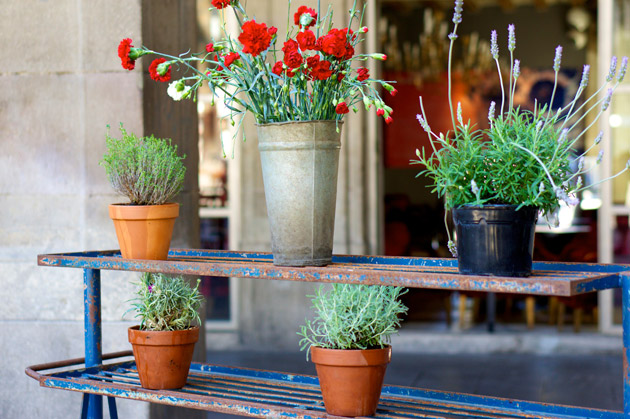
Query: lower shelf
258, 393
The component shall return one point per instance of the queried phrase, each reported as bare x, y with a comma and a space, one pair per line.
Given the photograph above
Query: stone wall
61, 83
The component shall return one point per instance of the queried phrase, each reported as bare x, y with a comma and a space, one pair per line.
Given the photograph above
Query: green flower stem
553, 92
539, 161
450, 82
502, 87
625, 169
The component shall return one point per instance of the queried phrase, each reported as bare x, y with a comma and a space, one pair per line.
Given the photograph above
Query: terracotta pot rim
122, 211
351, 357
129, 204
162, 337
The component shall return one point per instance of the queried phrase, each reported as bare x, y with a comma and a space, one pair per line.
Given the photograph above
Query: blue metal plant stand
259, 393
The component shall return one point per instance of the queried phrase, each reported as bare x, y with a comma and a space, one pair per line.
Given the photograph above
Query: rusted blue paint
263, 393
258, 393
561, 279
92, 333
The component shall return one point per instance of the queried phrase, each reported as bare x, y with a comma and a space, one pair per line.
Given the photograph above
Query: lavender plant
349, 316
146, 170
164, 303
525, 158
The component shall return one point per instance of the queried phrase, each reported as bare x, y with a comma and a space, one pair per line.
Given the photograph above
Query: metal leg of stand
92, 332
113, 413
491, 308
625, 288
84, 405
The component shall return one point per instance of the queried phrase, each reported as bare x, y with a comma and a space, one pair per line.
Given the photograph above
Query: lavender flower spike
622, 70
557, 59
607, 99
511, 38
491, 111
613, 69
473, 187
423, 123
457, 15
517, 68
585, 73
600, 156
599, 137
563, 135
452, 248
494, 45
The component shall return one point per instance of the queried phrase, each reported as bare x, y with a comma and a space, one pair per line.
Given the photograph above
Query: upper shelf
561, 279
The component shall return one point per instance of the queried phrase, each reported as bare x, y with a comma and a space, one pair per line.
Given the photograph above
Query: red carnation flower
124, 48
319, 70
154, 73
363, 74
380, 112
210, 47
255, 37
335, 43
273, 30
230, 58
340, 76
305, 10
292, 57
393, 92
306, 40
342, 108
277, 68
220, 4
388, 120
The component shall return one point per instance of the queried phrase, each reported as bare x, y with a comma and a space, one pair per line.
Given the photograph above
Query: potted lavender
497, 180
164, 341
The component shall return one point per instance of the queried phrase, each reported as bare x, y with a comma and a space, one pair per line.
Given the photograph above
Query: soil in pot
163, 358
351, 379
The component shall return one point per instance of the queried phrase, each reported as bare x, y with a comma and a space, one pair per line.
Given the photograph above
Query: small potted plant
149, 172
164, 342
348, 341
497, 180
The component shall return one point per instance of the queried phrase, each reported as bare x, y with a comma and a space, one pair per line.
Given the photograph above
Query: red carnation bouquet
315, 74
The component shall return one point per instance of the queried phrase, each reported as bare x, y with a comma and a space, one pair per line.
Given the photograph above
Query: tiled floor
588, 380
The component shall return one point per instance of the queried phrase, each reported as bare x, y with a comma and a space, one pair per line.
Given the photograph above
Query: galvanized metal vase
299, 164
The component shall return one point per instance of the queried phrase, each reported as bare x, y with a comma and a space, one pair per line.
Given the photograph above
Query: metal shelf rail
258, 393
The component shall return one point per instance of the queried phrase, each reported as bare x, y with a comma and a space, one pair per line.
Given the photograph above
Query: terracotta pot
351, 380
163, 358
144, 231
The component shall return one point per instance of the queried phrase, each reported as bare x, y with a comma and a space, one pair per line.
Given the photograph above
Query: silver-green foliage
164, 303
146, 170
349, 316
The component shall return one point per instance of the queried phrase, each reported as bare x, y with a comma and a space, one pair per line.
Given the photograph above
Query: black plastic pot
495, 239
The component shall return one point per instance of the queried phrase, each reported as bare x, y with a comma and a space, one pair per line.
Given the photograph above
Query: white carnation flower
178, 90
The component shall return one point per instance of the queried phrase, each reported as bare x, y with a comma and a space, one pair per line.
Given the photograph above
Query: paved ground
588, 380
